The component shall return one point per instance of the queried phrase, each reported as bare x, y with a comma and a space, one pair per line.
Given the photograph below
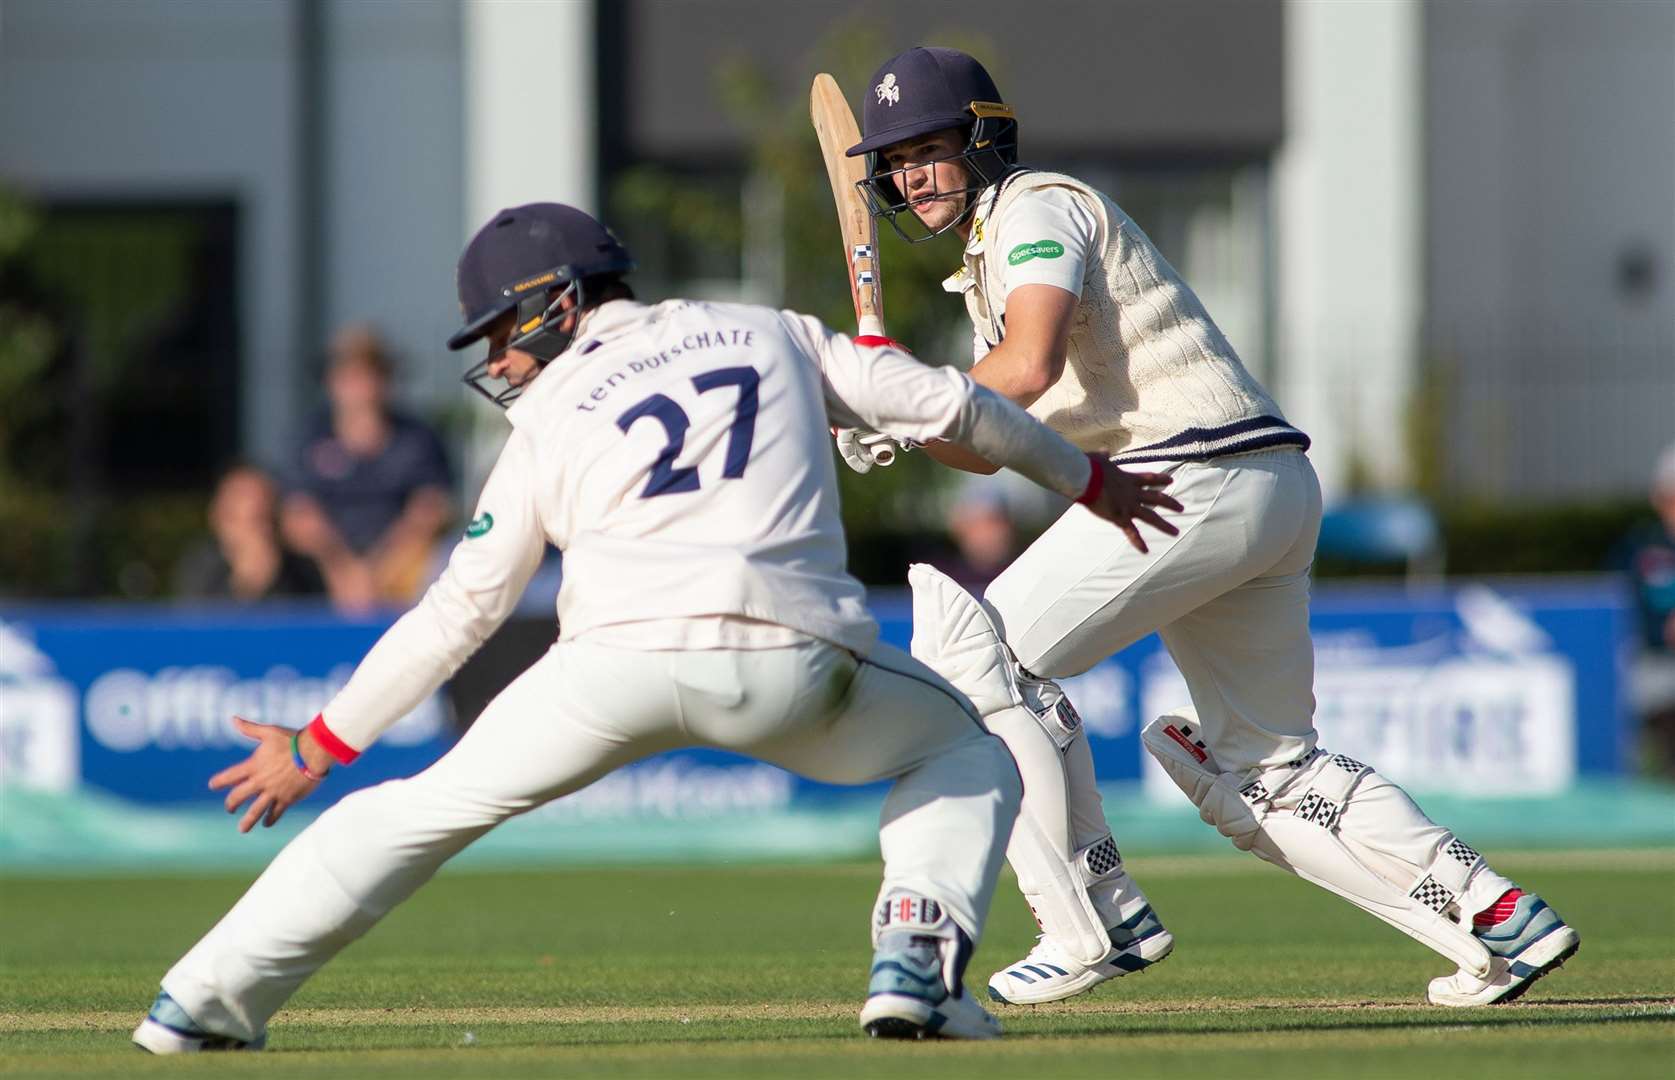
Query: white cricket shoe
167, 1029
907, 999
1049, 973
918, 961
1526, 945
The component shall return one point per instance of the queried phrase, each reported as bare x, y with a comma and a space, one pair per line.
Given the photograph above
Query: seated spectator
1649, 558
244, 559
372, 486
985, 536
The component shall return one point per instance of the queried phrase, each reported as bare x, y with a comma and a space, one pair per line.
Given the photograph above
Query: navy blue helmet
528, 259
925, 90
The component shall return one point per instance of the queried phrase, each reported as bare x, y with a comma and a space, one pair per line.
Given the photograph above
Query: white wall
1348, 232
529, 105
395, 181
1551, 156
530, 130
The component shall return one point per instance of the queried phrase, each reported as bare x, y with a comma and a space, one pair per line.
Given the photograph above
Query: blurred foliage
63, 530
27, 341
1488, 538
1484, 538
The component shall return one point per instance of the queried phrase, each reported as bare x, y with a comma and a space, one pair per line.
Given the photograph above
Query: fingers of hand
257, 809
1153, 497
229, 776
237, 796
248, 729
1129, 530
1151, 518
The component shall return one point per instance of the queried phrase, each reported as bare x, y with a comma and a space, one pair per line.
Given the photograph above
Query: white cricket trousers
1229, 596
577, 714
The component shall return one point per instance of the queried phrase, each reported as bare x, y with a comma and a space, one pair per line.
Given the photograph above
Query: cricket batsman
677, 455
1078, 319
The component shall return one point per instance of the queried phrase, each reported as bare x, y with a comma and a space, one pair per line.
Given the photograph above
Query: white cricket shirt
679, 456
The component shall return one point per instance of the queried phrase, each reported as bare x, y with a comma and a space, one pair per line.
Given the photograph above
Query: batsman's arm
484, 579
891, 392
1026, 363
888, 391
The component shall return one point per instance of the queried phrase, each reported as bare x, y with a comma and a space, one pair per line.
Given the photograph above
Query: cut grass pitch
758, 971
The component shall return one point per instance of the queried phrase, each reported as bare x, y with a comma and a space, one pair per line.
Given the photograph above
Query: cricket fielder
1080, 320
677, 454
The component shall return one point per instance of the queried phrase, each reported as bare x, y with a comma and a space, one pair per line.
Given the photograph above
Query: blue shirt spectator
371, 491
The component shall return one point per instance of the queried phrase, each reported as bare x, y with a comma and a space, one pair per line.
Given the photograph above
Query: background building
1440, 231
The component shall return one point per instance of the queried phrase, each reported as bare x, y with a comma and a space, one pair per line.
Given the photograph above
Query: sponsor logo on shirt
1041, 249
484, 522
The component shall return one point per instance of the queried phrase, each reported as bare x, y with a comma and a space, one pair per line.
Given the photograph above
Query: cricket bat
834, 125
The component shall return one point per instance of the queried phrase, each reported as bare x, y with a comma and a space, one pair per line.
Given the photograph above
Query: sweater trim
1202, 444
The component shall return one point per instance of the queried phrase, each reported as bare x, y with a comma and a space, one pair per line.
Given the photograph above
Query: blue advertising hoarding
1473, 689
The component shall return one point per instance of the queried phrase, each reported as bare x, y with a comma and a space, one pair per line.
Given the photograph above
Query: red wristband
874, 341
1096, 481
336, 747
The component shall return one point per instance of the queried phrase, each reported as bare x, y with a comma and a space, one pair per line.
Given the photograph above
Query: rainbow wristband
302, 766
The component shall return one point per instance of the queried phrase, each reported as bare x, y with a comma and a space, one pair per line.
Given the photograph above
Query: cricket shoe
915, 989
167, 1029
1526, 940
1049, 973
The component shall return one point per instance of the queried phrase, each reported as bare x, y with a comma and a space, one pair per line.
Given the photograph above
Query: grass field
757, 971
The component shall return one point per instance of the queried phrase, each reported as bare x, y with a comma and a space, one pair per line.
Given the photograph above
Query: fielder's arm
485, 577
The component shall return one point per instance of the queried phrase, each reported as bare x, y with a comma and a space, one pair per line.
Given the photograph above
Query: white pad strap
1443, 882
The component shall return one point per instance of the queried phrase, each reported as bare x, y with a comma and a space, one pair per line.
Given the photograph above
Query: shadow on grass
1572, 1011
1235, 1020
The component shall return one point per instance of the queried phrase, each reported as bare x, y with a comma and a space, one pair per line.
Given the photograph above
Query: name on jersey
694, 342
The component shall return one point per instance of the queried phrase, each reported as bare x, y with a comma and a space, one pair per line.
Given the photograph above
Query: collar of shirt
985, 206
609, 320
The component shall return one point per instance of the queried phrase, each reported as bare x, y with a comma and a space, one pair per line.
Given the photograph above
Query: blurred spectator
371, 491
244, 559
1649, 558
981, 525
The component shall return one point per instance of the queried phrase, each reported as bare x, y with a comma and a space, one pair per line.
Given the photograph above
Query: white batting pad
953, 635
1331, 820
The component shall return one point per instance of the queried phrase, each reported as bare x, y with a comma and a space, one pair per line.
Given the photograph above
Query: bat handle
872, 325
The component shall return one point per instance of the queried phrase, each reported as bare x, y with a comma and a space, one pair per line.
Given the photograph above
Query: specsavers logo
484, 522
1041, 249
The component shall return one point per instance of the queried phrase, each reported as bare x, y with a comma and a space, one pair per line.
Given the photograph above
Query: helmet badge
888, 91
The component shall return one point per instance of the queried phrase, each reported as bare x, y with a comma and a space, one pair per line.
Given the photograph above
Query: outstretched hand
268, 775
1127, 498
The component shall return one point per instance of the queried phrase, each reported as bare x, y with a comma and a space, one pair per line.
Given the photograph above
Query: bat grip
872, 326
